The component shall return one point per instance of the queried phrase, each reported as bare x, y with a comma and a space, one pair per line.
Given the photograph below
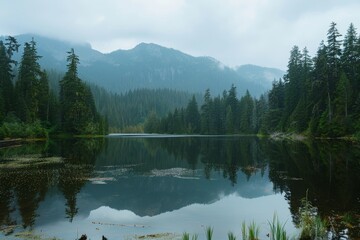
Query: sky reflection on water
122, 187
224, 215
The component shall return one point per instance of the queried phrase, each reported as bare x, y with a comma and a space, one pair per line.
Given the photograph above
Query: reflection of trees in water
23, 188
79, 156
226, 155
328, 170
6, 198
28, 187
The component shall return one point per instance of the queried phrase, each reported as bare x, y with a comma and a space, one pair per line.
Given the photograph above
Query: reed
250, 232
277, 230
209, 233
185, 236
231, 236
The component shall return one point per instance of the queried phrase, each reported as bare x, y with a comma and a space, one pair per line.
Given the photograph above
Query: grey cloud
233, 31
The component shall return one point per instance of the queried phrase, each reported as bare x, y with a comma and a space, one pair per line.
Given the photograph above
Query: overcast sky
235, 32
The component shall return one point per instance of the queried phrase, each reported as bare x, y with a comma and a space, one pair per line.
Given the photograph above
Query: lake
147, 186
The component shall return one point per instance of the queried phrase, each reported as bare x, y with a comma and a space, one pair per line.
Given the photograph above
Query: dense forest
318, 96
29, 108
127, 112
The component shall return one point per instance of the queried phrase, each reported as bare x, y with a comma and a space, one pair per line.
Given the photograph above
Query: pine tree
246, 113
334, 55
27, 86
232, 102
6, 75
192, 116
206, 110
349, 58
276, 107
78, 113
294, 84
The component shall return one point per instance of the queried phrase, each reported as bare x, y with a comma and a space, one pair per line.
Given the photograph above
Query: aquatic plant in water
250, 232
231, 236
209, 233
310, 224
277, 230
186, 236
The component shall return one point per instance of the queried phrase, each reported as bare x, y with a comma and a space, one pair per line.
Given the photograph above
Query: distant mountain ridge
149, 65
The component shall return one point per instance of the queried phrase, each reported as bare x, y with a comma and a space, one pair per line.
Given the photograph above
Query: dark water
126, 187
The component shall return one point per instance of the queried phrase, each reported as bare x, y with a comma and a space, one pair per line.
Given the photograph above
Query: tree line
224, 114
30, 108
127, 112
318, 96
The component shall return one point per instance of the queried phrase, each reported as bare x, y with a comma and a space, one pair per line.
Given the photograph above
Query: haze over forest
152, 66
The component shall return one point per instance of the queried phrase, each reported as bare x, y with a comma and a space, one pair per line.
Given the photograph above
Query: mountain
152, 66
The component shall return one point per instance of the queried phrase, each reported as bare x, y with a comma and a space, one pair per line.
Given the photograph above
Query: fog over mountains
152, 66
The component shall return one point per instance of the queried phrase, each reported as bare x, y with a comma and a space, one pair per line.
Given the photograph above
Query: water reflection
329, 171
150, 177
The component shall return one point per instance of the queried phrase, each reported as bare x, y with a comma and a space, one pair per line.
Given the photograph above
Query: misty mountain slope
152, 66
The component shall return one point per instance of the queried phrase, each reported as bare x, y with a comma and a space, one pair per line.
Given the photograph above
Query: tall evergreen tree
349, 58
6, 75
193, 117
27, 85
231, 102
78, 114
246, 114
276, 107
294, 84
44, 98
334, 55
206, 110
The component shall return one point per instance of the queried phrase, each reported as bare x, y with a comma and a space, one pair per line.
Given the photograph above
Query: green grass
231, 236
186, 236
250, 232
209, 233
311, 225
277, 230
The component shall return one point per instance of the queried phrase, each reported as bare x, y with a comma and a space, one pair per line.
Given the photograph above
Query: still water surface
125, 187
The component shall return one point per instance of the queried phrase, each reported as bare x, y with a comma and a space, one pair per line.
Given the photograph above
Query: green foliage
6, 75
219, 115
192, 117
310, 224
78, 111
250, 232
317, 96
185, 236
152, 123
28, 84
209, 233
277, 230
231, 236
22, 130
36, 105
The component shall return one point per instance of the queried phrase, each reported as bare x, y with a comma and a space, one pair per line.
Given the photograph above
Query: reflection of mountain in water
153, 176
154, 195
